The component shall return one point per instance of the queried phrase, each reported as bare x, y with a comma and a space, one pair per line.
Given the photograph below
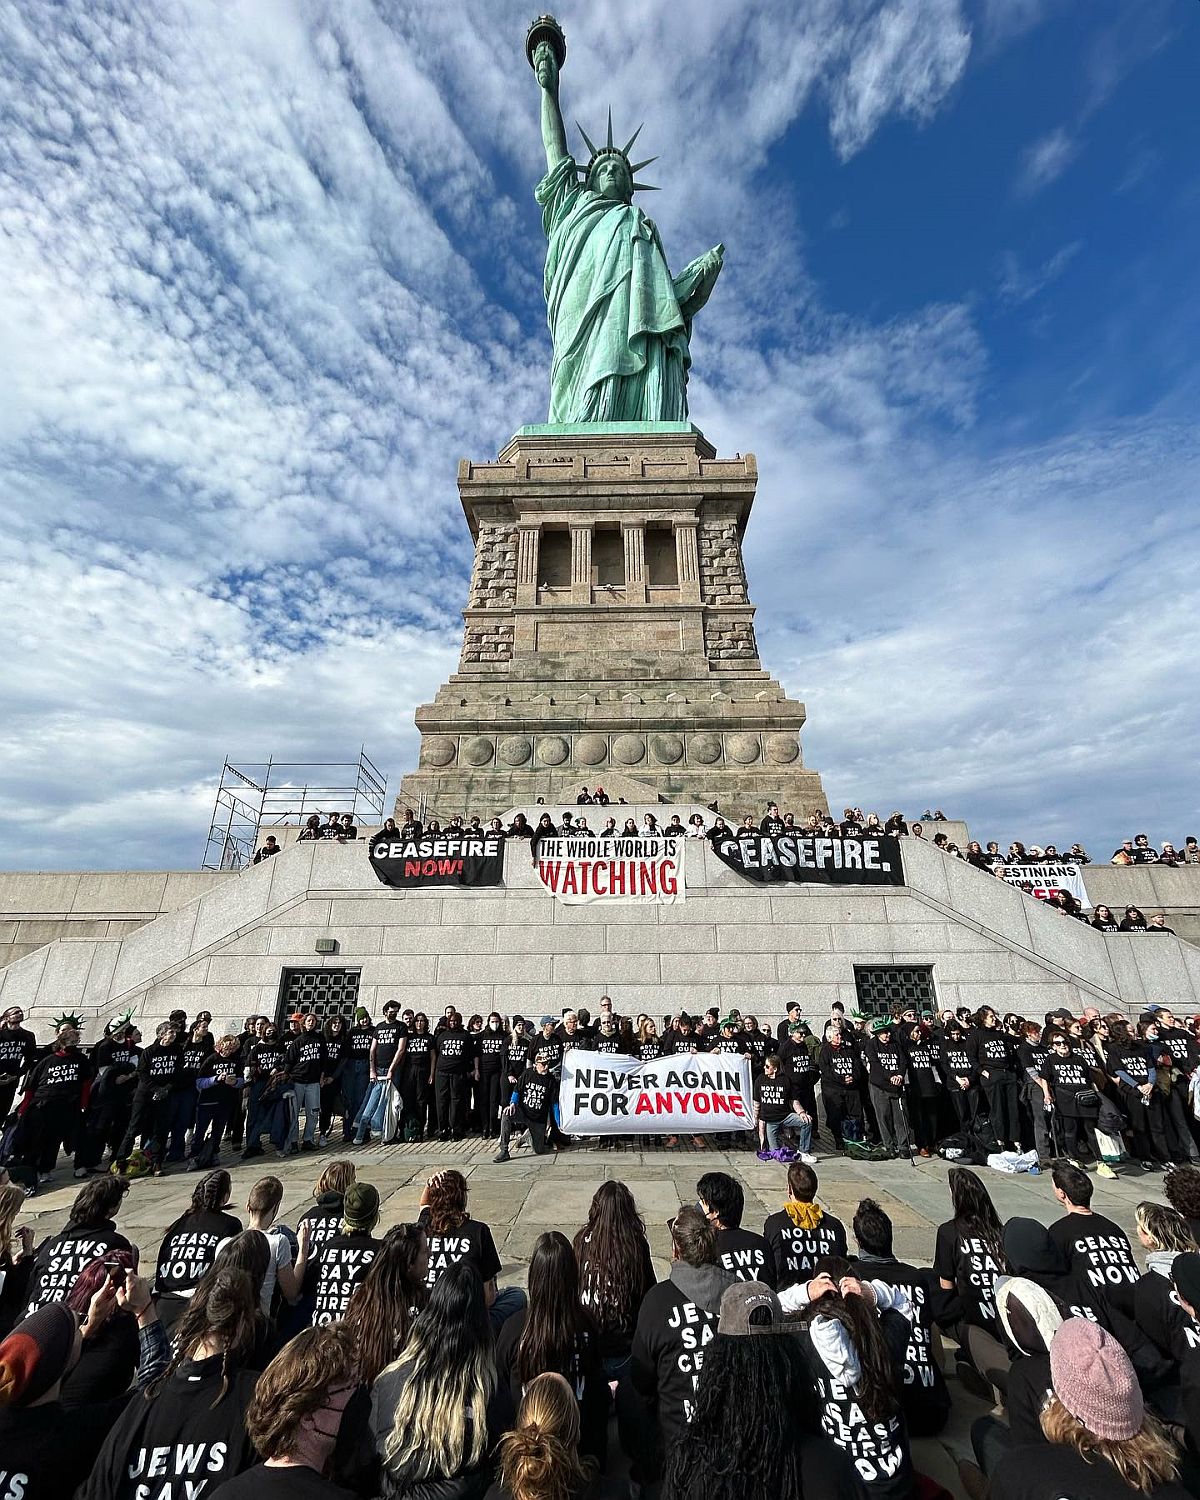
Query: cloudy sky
269, 267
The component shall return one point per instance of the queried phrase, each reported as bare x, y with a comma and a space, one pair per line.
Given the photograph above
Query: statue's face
610, 178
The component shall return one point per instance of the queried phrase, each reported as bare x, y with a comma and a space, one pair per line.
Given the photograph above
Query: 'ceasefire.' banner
812, 859
692, 1092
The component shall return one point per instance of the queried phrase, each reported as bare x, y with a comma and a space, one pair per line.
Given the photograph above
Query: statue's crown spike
628, 146
586, 139
610, 139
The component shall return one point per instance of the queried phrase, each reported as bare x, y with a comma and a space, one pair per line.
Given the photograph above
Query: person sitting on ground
1182, 1190
801, 1233
1094, 1248
295, 1417
923, 1392
736, 1446
439, 1410
1163, 1234
1101, 1442
90, 1232
968, 1256
324, 1218
677, 1321
540, 1458
615, 1271
555, 1334
748, 1255
388, 1299
330, 1273
194, 1414
190, 1245
454, 1236
262, 1209
1185, 1278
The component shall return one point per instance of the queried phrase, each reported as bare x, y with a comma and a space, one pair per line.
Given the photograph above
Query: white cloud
1046, 160
1018, 284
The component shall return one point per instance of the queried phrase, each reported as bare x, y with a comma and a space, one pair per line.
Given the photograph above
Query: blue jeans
803, 1129
374, 1111
308, 1099
356, 1080
509, 1300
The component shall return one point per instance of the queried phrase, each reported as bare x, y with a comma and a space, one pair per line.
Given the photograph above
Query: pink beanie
1095, 1381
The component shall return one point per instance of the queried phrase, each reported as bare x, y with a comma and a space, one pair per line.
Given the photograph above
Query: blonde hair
336, 1178
1165, 1226
1143, 1461
539, 1458
642, 1025
11, 1199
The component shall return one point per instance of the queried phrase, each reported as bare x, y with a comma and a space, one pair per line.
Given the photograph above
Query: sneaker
766, 1156
1104, 1170
322, 1140
807, 1158
82, 1172
503, 1156
43, 1177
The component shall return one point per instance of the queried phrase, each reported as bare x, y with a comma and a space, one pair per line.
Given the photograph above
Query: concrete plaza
524, 1198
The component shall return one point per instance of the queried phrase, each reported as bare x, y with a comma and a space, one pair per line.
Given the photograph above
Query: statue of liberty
619, 321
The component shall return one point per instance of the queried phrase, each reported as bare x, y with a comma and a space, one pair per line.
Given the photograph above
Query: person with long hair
190, 1244
736, 1446
968, 1256
993, 1054
539, 1457
555, 1333
90, 1231
337, 1053
415, 1089
324, 1218
386, 1302
439, 1410
193, 1416
454, 1236
16, 1256
1164, 1234
111, 1345
296, 1416
1100, 1440
615, 1271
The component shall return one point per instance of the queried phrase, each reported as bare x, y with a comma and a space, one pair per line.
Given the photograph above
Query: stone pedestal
609, 634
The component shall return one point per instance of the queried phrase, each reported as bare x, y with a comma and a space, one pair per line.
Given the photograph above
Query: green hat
362, 1014
729, 1021
882, 1023
360, 1208
795, 1025
857, 1015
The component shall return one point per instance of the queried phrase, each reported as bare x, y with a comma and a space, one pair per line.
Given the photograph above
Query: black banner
458, 860
813, 860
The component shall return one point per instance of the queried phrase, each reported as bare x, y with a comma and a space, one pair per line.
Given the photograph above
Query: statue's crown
609, 149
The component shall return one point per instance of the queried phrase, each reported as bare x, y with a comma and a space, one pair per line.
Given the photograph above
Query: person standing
305, 1065
270, 1097
887, 1067
337, 1053
492, 1050
219, 1085
115, 1060
1067, 1088
453, 1062
992, 1053
387, 1058
415, 1088
356, 1070
158, 1068
56, 1094
841, 1071
18, 1049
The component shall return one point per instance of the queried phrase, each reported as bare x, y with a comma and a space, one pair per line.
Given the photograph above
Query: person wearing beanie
1101, 1444
335, 1267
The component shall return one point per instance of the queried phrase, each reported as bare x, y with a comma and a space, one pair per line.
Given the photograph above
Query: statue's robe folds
620, 333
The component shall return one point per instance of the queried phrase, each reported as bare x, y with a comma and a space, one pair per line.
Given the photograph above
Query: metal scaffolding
254, 795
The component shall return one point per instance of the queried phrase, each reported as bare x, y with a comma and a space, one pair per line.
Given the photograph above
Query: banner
1043, 880
458, 860
815, 860
689, 1093
580, 869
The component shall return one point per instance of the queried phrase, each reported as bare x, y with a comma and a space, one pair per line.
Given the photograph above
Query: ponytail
537, 1465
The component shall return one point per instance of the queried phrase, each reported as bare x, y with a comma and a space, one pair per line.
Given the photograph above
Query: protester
324, 1218
802, 1233
384, 1304
90, 1233
615, 1271
722, 1201
190, 1245
332, 1270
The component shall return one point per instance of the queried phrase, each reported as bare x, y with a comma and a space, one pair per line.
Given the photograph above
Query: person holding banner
531, 1109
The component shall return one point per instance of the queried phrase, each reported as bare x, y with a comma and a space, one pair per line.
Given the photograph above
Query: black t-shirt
159, 1066
520, 1049
388, 1035
1028, 1381
841, 1066
885, 1061
492, 1047
967, 1261
879, 1451
583, 1373
59, 1076
1067, 1077
650, 1049
537, 1093
359, 1041
455, 1052
923, 1074
195, 1056
1096, 1251
1052, 1471
923, 1392
1032, 1055
106, 1364
746, 1254
758, 1044
59, 1261
306, 1058
771, 1096
334, 1271
796, 1250
46, 1452
954, 1058
551, 1048
416, 1052
611, 1046
471, 1241
18, 1048
189, 1248
185, 1439
283, 1482
992, 1052
267, 1058
324, 1220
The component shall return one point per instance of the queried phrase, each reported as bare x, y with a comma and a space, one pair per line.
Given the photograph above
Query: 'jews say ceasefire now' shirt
59, 1261
471, 1242
968, 1262
746, 1254
189, 1248
333, 1272
537, 1094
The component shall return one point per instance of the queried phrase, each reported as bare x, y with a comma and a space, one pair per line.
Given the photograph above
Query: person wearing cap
1101, 1443
887, 1068
549, 1044
531, 1108
676, 1323
1068, 1090
335, 1267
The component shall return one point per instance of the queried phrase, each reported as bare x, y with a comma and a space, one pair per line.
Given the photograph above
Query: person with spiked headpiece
620, 322
56, 1094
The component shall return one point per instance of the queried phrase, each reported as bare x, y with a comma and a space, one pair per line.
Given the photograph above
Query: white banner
688, 1092
580, 869
1043, 880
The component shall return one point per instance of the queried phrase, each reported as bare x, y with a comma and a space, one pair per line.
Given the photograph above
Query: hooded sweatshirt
676, 1323
799, 1235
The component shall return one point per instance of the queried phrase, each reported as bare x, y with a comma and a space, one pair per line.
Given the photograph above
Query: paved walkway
523, 1198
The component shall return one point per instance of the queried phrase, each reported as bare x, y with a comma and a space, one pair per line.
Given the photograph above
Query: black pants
488, 1091
331, 1104
965, 1104
1002, 1107
418, 1101
212, 1116
1078, 1138
45, 1127
804, 1088
543, 1134
149, 1119
452, 1095
923, 1112
840, 1105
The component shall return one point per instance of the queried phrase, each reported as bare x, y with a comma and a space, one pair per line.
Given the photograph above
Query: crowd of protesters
794, 1357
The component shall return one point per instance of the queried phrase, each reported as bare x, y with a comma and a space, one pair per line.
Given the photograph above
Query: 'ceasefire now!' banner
693, 1092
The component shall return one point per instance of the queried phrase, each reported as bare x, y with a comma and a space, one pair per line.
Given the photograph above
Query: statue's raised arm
620, 323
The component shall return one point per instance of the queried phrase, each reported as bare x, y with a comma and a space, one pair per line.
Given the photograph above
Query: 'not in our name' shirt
796, 1249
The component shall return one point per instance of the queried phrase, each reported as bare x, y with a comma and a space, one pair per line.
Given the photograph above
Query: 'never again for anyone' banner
457, 860
1043, 880
579, 869
696, 1092
821, 861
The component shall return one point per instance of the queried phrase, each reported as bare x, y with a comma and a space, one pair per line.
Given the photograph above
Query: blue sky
268, 269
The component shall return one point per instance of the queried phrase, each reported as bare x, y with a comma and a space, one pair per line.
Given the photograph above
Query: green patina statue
619, 320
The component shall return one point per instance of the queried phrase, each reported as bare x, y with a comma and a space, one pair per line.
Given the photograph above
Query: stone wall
730, 942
